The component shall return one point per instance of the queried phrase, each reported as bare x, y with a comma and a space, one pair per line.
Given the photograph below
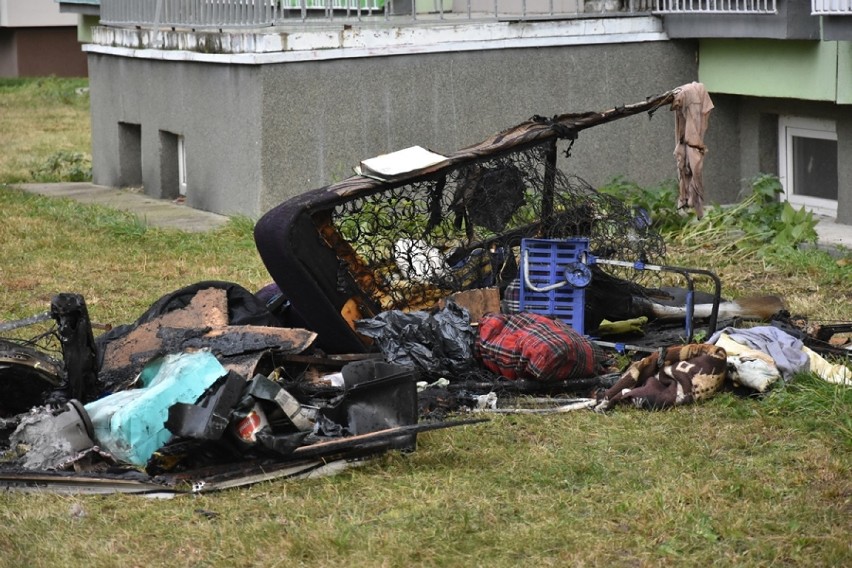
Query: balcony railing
201, 14
831, 7
716, 6
238, 13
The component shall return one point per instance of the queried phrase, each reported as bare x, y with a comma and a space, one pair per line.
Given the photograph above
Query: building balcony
831, 7
265, 31
81, 7
768, 19
836, 25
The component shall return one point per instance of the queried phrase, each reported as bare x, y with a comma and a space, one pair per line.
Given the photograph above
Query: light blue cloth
130, 424
787, 351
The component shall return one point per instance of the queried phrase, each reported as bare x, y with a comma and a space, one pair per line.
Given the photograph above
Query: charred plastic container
377, 396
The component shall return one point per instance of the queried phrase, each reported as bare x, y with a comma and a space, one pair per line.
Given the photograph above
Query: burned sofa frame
364, 245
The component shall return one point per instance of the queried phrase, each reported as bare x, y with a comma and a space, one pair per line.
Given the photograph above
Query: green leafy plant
760, 223
658, 201
764, 224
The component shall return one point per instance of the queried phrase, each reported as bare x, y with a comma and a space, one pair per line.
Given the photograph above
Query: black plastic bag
440, 343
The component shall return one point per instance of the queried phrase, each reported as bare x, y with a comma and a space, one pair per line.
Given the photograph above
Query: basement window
807, 163
172, 165
129, 154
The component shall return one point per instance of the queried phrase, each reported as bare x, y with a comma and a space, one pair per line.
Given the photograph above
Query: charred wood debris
411, 297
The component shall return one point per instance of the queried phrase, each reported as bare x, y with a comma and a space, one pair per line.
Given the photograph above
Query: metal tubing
686, 273
530, 285
690, 294
10, 325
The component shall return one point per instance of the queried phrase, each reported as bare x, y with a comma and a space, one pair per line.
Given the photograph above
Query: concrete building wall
33, 13
759, 139
353, 110
259, 134
216, 108
844, 167
40, 52
50, 51
723, 178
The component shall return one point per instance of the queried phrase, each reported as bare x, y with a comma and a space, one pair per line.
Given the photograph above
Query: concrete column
844, 166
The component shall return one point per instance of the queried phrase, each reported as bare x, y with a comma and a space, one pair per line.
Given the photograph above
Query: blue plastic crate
545, 260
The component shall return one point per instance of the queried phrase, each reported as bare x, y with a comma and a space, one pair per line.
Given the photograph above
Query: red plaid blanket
533, 346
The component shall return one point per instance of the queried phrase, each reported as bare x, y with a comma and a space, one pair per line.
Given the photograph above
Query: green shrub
659, 201
760, 222
63, 166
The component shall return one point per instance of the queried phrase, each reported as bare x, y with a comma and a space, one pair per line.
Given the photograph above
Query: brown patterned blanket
682, 374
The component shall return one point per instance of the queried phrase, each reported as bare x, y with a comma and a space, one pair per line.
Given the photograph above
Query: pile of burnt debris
205, 390
426, 292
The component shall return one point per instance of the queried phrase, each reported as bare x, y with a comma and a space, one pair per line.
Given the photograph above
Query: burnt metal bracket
78, 345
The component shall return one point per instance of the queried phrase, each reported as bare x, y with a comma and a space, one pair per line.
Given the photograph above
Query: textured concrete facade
257, 134
216, 108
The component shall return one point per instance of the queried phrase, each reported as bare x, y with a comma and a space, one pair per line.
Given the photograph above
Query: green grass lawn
733, 482
45, 133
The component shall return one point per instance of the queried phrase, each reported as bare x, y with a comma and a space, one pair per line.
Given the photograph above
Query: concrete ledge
348, 41
832, 237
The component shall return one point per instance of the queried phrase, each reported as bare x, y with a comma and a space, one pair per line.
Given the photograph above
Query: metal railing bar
261, 13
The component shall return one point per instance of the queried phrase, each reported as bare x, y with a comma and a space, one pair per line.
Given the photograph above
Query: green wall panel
774, 68
844, 72
84, 27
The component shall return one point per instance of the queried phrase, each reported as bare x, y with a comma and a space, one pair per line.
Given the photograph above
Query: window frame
788, 127
181, 150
